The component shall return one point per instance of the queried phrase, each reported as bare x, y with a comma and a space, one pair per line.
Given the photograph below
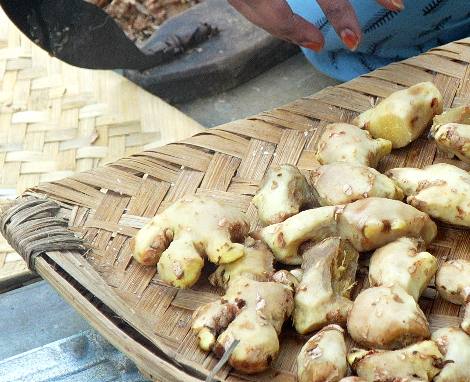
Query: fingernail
350, 39
312, 46
399, 4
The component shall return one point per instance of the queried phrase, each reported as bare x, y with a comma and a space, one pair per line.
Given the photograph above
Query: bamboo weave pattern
57, 120
107, 205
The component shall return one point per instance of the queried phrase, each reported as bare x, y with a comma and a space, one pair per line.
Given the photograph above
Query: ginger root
323, 357
342, 142
323, 295
193, 227
460, 114
403, 262
257, 263
451, 131
250, 311
453, 283
454, 344
284, 191
285, 238
441, 190
386, 317
403, 115
342, 183
367, 223
454, 138
416, 363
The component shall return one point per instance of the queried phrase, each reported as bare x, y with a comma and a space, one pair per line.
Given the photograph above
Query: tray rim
46, 270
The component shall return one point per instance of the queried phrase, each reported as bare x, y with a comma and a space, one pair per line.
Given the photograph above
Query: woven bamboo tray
127, 302
57, 120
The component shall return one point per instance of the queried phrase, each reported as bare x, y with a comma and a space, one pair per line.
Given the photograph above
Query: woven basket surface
57, 120
107, 205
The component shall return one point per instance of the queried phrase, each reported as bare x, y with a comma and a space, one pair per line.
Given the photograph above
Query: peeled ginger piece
404, 115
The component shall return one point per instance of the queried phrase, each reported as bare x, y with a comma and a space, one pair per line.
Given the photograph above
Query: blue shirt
388, 36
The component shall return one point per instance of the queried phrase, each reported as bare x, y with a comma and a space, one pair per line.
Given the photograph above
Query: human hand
277, 18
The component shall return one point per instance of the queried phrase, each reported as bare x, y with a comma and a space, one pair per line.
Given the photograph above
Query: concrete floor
292, 79
33, 316
44, 339
28, 324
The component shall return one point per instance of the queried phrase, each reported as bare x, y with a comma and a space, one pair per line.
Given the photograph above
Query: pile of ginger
300, 263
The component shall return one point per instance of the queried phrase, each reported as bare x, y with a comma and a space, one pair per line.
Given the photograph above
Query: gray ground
293, 79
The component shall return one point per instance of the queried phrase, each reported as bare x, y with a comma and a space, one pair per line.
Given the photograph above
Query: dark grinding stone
238, 53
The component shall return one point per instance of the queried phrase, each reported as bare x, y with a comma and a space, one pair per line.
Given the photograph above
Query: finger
277, 18
342, 17
393, 5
